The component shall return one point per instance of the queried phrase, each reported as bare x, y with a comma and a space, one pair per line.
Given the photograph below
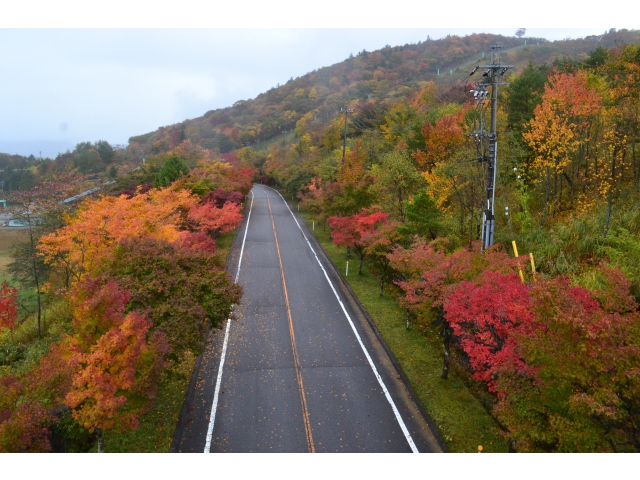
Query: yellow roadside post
515, 251
533, 264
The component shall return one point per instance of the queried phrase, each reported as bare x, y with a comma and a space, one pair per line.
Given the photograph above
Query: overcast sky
62, 86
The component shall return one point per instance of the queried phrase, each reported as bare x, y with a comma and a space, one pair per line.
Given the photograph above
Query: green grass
460, 416
224, 243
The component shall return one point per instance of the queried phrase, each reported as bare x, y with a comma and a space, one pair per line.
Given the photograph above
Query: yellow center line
303, 398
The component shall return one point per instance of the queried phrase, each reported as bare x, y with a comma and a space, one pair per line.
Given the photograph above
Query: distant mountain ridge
381, 75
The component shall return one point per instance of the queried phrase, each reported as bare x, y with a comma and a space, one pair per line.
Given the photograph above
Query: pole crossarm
496, 66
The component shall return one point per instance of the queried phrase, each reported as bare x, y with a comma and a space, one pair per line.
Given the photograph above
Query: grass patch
224, 243
460, 416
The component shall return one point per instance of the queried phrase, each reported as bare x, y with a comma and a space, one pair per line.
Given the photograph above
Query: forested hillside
549, 340
382, 76
96, 162
553, 336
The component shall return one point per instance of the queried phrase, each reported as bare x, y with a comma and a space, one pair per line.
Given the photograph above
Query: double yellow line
303, 398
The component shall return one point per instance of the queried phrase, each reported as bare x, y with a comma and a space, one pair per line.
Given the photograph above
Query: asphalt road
298, 373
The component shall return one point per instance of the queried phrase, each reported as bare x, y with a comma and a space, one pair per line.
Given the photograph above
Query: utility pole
346, 111
489, 155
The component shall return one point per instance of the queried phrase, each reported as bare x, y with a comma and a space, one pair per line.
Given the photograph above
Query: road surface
299, 369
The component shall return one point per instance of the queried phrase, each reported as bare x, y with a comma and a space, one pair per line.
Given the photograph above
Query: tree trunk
382, 283
636, 168
34, 268
100, 440
610, 195
446, 333
39, 308
546, 197
401, 205
361, 262
36, 281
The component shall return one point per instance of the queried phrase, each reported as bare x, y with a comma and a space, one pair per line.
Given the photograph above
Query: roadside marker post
515, 251
533, 264
314, 225
347, 274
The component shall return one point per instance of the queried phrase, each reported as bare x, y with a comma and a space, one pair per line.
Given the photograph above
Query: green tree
423, 217
184, 292
27, 267
88, 161
171, 171
105, 151
399, 178
525, 93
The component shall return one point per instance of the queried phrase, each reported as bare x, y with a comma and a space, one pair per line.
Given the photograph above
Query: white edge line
214, 407
407, 435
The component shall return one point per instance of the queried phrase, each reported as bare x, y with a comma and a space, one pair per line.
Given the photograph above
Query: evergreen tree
422, 217
171, 171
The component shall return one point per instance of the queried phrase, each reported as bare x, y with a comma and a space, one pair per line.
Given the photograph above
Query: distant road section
303, 370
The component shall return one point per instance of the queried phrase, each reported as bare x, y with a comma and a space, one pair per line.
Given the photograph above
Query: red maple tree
486, 315
350, 231
8, 310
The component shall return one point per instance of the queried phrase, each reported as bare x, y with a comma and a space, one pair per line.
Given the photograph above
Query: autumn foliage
141, 281
215, 221
8, 310
487, 316
117, 378
352, 231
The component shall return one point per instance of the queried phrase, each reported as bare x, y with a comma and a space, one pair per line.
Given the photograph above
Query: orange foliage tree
561, 135
97, 226
117, 378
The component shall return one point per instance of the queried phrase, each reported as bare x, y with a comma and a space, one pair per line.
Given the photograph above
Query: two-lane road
302, 369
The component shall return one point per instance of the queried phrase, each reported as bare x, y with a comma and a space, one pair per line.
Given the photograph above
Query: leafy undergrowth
157, 426
462, 420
